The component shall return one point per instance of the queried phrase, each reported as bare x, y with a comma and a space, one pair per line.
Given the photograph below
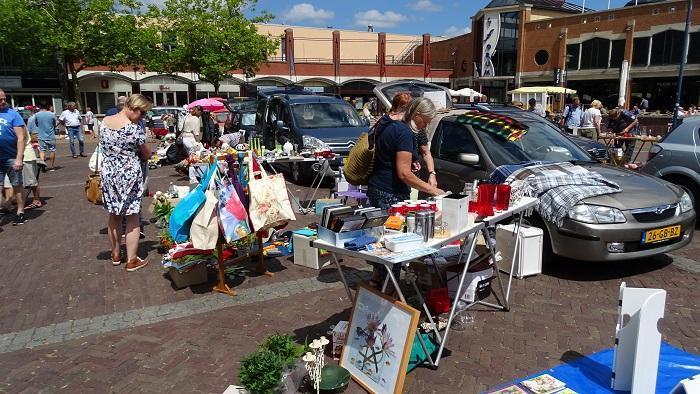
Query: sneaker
135, 264
142, 235
82, 155
52, 169
75, 156
19, 219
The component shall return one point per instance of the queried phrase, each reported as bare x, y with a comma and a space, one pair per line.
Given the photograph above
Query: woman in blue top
393, 175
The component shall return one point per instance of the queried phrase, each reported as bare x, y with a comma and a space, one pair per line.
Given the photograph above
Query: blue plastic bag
186, 209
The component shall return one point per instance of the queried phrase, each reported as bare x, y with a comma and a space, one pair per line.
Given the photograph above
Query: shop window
456, 139
572, 52
595, 53
611, 17
105, 101
617, 53
666, 48
694, 55
596, 19
671, 10
541, 57
181, 98
506, 50
149, 94
90, 100
41, 100
655, 11
640, 51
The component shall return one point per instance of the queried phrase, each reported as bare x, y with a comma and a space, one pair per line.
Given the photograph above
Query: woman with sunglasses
123, 145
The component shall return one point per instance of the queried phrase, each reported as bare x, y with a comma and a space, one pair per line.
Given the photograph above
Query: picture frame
379, 341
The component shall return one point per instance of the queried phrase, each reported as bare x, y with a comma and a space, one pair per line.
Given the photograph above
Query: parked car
676, 158
240, 103
603, 228
156, 124
310, 122
241, 119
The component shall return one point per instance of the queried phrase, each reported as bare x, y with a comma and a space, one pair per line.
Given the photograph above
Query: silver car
649, 217
677, 158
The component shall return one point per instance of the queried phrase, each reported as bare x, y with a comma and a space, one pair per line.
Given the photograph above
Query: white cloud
456, 31
425, 5
307, 12
379, 19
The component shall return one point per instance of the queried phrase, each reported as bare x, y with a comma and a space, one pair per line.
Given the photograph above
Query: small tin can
422, 225
411, 222
430, 225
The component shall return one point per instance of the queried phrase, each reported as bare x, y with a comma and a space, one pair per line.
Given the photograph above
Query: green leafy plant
261, 371
284, 346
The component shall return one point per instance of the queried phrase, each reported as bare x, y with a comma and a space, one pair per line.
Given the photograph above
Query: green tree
210, 38
78, 33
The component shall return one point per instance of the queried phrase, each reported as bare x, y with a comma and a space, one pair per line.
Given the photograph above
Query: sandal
34, 204
135, 264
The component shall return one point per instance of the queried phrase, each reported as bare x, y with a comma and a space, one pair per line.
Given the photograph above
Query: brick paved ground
71, 321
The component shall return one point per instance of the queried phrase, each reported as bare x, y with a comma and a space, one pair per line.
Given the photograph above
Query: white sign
492, 31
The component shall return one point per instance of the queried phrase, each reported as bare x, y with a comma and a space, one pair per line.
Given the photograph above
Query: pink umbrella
207, 104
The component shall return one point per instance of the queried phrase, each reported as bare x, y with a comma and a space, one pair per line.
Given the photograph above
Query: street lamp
684, 57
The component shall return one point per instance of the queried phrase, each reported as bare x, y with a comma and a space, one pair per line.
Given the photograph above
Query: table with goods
617, 154
410, 231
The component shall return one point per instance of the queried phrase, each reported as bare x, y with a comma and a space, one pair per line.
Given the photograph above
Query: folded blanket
560, 186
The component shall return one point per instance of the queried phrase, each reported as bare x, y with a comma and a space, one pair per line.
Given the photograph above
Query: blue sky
437, 17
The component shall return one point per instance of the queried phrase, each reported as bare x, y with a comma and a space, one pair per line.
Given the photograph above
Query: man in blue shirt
12, 152
572, 115
46, 125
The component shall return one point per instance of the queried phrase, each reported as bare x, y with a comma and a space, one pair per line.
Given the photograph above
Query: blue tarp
591, 374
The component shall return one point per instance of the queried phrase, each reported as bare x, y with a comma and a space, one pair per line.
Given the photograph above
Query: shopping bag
186, 209
269, 204
205, 227
93, 184
233, 218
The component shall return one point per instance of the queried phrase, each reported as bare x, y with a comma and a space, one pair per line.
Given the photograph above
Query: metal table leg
453, 310
497, 271
342, 276
322, 174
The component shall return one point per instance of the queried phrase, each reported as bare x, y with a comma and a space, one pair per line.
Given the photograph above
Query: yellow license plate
661, 234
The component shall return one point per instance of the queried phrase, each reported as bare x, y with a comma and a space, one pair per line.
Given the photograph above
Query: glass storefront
505, 57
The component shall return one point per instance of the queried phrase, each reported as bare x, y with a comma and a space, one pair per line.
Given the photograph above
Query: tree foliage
210, 38
78, 33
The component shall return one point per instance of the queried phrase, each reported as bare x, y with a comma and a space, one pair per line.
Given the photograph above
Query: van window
324, 115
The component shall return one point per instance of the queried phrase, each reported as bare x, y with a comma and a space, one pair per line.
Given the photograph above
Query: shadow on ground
584, 271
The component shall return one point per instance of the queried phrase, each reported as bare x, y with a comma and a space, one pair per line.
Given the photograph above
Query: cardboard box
340, 332
306, 255
453, 278
197, 275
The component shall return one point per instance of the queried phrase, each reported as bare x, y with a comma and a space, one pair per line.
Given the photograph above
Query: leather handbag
93, 184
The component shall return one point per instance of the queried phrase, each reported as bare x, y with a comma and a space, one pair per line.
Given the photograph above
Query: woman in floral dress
123, 145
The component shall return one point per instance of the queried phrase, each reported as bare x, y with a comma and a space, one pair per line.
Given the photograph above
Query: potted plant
275, 367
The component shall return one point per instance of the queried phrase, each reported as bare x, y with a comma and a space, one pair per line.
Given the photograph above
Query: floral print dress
121, 174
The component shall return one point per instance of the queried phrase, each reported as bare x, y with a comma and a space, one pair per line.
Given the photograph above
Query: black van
309, 121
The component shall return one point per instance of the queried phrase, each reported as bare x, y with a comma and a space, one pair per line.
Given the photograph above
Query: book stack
543, 384
343, 218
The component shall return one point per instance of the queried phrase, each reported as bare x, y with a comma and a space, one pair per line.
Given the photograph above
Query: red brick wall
442, 58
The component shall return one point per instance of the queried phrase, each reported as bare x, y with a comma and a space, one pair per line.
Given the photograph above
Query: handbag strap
97, 160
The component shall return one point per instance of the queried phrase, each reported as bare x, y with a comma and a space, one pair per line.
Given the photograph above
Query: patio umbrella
467, 92
207, 104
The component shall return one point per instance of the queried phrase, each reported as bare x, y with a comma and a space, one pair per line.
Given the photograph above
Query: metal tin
411, 222
422, 225
430, 225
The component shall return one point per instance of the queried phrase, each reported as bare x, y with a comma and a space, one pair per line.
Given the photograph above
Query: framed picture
378, 342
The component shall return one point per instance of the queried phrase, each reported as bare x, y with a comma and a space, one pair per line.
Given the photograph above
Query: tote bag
186, 209
205, 227
269, 204
233, 218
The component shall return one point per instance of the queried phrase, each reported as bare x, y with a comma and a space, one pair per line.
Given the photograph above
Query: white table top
436, 243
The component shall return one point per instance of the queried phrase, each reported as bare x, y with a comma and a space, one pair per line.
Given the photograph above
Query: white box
306, 255
529, 255
454, 212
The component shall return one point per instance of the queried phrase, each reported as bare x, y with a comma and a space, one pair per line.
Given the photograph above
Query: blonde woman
123, 146
590, 121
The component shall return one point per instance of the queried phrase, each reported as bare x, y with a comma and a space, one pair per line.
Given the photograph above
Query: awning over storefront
542, 89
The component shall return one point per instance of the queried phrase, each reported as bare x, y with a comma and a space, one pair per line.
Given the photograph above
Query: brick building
345, 62
517, 43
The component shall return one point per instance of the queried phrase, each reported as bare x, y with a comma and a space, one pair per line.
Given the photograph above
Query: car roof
311, 98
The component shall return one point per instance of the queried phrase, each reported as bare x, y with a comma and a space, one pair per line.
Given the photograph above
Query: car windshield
419, 89
248, 119
542, 142
162, 111
237, 105
325, 115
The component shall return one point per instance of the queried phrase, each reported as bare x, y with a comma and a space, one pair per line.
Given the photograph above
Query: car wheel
689, 187
547, 253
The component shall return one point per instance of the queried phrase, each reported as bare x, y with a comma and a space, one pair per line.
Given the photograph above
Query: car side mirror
469, 158
279, 125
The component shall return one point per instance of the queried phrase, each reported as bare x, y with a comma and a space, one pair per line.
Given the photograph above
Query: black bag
176, 152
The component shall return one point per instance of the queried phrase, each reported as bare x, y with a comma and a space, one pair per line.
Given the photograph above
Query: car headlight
314, 143
596, 214
686, 203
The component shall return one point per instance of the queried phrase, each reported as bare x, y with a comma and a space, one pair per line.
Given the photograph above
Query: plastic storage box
529, 255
